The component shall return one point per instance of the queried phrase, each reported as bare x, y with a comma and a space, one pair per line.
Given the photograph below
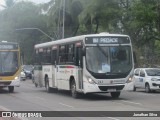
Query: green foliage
22, 15
142, 21
103, 14
55, 10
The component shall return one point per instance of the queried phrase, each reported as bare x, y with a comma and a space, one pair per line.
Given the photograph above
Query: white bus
94, 63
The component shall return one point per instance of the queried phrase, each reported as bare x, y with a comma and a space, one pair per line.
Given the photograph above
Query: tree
100, 15
55, 12
23, 15
141, 21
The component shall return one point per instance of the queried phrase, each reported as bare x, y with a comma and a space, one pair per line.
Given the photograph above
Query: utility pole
63, 18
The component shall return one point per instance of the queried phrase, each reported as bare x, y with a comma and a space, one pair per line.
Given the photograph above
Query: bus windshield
8, 62
111, 60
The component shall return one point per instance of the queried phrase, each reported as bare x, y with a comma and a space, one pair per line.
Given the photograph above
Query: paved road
29, 98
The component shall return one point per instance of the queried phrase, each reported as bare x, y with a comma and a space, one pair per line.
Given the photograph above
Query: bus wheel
147, 88
115, 94
74, 93
48, 89
11, 89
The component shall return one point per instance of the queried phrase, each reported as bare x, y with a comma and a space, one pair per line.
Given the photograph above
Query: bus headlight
129, 79
90, 80
16, 78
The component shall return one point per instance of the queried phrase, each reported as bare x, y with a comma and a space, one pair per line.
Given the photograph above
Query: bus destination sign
8, 47
107, 40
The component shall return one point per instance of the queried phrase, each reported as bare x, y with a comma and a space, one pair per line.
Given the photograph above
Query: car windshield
108, 59
153, 72
8, 62
28, 67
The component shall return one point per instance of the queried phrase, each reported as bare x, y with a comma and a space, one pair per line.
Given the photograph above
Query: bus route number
100, 81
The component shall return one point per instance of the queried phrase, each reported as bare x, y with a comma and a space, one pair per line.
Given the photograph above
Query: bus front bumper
94, 88
5, 83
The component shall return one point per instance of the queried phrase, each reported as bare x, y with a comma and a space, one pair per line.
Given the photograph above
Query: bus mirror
134, 57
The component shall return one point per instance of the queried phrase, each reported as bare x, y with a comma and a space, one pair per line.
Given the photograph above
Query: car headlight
154, 79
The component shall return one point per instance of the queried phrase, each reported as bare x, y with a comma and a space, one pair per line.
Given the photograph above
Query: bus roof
6, 42
74, 39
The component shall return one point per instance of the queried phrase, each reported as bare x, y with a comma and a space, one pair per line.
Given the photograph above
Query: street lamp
38, 30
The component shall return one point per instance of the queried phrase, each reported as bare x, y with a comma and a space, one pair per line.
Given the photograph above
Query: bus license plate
111, 90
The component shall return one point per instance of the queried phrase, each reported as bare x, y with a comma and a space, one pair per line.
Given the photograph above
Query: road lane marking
66, 105
4, 108
118, 103
131, 102
142, 92
110, 117
147, 94
40, 98
113, 118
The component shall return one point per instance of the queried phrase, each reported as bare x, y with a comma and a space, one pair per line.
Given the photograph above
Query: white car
22, 76
146, 78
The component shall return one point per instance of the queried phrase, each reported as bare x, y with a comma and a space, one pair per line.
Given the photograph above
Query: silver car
22, 76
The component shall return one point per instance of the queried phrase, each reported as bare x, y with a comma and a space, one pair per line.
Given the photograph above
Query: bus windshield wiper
103, 52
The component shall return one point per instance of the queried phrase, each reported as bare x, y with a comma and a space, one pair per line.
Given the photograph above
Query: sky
38, 1
34, 1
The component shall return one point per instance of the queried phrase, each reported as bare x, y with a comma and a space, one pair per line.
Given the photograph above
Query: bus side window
54, 56
48, 56
35, 59
79, 61
43, 57
62, 54
71, 53
40, 57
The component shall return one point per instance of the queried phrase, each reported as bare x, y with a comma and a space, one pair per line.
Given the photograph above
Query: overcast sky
38, 1
35, 1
